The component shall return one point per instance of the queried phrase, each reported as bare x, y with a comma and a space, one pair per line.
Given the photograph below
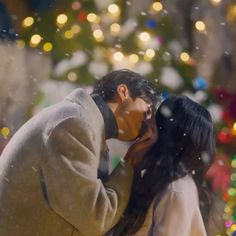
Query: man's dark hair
138, 86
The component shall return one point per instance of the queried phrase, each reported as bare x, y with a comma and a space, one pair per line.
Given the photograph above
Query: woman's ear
122, 92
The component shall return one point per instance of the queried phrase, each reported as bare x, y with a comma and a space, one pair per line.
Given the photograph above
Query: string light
98, 35
113, 9
115, 29
118, 56
35, 40
233, 227
5, 132
157, 6
231, 13
28, 21
215, 2
93, 18
149, 54
72, 76
233, 130
234, 126
200, 26
133, 58
47, 47
233, 163
75, 29
61, 20
144, 36
184, 56
69, 34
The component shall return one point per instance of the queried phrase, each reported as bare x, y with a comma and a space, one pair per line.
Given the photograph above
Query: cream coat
177, 213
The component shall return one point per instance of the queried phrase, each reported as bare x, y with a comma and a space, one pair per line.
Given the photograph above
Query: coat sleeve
73, 190
173, 215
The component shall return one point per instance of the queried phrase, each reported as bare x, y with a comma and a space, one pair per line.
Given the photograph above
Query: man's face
132, 113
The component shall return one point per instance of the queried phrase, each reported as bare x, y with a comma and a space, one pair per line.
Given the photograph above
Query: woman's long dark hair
185, 145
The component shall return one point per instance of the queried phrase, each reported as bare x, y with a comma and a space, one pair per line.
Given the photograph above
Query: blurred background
50, 47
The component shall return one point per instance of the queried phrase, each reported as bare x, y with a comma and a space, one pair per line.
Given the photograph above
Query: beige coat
177, 213
48, 175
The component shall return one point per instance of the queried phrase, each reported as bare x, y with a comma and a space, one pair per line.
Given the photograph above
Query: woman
168, 198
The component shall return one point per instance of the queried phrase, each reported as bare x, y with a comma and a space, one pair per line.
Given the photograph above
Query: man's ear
122, 92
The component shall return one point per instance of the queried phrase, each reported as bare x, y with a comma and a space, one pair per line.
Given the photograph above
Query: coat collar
79, 95
111, 128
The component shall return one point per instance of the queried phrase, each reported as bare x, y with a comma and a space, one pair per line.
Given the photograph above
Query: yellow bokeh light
200, 26
133, 58
35, 40
231, 13
144, 36
69, 34
184, 56
93, 18
157, 6
215, 2
150, 53
118, 56
47, 47
5, 132
233, 163
115, 28
98, 35
233, 227
75, 29
72, 76
28, 21
228, 231
233, 130
227, 209
20, 43
114, 9
61, 20
234, 126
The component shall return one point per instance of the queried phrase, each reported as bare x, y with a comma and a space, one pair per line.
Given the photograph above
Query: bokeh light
215, 2
113, 9
27, 22
5, 132
69, 34
93, 18
184, 56
115, 29
47, 47
118, 56
61, 20
157, 6
98, 35
149, 54
144, 36
133, 58
35, 40
72, 76
200, 26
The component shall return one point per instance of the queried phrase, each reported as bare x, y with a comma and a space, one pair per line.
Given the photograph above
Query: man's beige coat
48, 174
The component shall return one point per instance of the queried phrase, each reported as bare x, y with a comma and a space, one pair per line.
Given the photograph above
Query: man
49, 183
